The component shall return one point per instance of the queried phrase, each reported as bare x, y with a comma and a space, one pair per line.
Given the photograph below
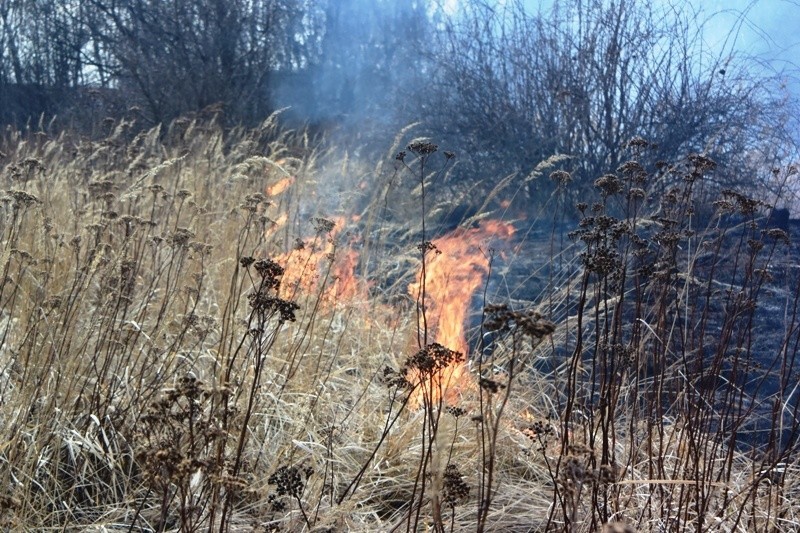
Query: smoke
359, 87
368, 61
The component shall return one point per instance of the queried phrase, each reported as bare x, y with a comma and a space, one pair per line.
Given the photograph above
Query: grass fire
175, 358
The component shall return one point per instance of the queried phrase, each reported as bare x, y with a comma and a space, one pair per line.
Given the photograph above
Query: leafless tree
515, 87
179, 56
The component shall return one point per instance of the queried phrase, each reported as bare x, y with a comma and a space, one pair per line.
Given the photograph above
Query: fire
346, 286
321, 260
280, 221
454, 270
320, 267
326, 267
276, 189
280, 186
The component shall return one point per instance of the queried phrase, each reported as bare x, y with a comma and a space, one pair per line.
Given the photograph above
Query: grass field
242, 331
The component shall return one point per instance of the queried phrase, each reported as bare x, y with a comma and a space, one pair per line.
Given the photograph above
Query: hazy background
505, 84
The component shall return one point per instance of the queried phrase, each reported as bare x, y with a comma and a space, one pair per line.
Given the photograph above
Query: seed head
270, 272
455, 412
454, 489
422, 148
609, 184
638, 142
561, 177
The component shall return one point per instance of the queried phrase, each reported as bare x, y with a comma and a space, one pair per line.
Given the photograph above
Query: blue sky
767, 29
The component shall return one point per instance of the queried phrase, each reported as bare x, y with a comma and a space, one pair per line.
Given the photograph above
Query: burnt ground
739, 333
735, 312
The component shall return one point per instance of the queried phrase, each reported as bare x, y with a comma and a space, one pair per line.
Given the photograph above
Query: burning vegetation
180, 354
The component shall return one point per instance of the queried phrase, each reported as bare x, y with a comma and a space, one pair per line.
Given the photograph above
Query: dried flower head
455, 412
538, 430
490, 385
779, 235
289, 481
634, 172
500, 318
608, 184
603, 260
638, 142
23, 199
323, 225
428, 246
702, 163
636, 193
454, 489
392, 378
268, 305
744, 205
422, 148
31, 164
270, 272
561, 177
181, 237
431, 359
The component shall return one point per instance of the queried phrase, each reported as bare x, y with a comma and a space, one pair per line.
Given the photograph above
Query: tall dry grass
179, 350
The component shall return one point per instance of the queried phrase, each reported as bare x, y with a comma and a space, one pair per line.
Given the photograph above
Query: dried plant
177, 352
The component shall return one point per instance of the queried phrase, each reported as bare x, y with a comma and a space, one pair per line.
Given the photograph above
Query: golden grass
122, 278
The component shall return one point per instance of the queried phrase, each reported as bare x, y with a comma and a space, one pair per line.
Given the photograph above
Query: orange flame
279, 222
454, 270
320, 261
280, 186
317, 260
346, 286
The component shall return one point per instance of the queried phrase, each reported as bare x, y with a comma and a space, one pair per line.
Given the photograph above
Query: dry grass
158, 374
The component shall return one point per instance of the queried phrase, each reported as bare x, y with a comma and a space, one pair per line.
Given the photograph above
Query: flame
301, 267
454, 270
276, 189
320, 261
280, 186
279, 222
346, 286
326, 267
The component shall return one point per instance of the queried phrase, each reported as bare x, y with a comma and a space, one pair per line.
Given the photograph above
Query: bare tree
364, 68
585, 77
41, 60
178, 56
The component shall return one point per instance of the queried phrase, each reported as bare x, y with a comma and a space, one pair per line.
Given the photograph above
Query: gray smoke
369, 61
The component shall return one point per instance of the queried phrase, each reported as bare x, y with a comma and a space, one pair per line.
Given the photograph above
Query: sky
767, 29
